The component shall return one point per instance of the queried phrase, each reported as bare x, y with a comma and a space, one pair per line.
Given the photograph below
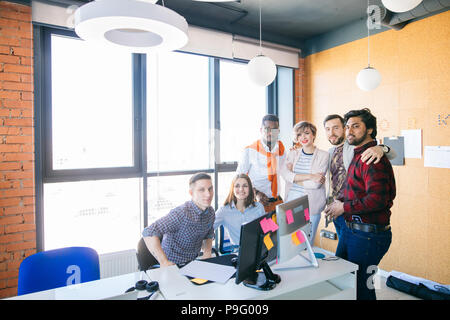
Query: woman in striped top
307, 167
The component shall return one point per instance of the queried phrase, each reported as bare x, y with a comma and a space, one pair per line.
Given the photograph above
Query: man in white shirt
263, 162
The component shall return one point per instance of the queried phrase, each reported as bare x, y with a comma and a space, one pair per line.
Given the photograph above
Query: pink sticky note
300, 236
266, 227
307, 214
272, 225
289, 217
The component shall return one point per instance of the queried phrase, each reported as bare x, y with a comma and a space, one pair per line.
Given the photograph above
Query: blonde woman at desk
239, 207
307, 166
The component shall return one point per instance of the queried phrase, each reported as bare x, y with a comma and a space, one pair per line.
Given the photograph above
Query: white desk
332, 280
92, 290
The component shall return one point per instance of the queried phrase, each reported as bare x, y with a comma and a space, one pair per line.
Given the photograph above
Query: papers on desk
209, 271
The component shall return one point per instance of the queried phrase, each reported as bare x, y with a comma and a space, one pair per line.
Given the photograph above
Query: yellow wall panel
415, 91
438, 240
413, 94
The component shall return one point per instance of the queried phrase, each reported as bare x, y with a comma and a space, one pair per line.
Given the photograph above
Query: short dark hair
198, 176
333, 116
270, 117
367, 117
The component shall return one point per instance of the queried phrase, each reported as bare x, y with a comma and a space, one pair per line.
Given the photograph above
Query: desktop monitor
254, 255
294, 230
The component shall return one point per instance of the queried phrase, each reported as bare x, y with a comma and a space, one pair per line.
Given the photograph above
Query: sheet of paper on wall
398, 144
437, 156
413, 143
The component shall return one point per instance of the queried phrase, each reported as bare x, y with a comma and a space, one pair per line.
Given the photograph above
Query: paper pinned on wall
398, 144
437, 156
412, 143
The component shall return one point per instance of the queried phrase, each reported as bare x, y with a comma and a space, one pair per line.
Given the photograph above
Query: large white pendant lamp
135, 25
261, 69
400, 5
368, 78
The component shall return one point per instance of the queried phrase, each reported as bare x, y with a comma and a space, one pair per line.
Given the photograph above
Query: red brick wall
17, 210
299, 81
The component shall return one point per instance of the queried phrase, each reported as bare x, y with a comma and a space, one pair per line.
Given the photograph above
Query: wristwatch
386, 149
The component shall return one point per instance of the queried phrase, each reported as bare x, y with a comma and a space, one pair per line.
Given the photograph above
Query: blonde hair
302, 126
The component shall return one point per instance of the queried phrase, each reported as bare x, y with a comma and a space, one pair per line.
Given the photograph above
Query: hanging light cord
260, 38
368, 34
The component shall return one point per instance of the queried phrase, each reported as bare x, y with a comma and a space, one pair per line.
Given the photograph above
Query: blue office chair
57, 268
225, 246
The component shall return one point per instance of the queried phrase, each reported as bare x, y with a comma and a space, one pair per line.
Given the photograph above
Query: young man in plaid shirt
368, 197
178, 237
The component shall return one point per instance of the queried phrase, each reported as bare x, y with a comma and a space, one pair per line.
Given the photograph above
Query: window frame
44, 172
52, 175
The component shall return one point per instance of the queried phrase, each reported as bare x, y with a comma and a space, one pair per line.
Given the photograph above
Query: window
119, 135
242, 106
104, 214
89, 135
177, 116
92, 114
178, 134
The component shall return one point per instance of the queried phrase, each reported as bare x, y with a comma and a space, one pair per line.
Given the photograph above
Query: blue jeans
366, 249
339, 222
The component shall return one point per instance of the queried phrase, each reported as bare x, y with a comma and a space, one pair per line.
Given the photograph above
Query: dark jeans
339, 222
365, 249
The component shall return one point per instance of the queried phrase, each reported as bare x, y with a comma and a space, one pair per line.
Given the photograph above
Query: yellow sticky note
199, 281
268, 242
295, 238
274, 218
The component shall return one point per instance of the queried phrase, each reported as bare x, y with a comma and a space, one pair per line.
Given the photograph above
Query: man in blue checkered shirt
178, 237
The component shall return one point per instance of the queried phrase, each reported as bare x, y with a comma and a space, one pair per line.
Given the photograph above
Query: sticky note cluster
307, 214
297, 237
268, 242
268, 225
289, 217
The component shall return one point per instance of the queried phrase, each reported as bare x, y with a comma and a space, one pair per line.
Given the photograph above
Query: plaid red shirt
370, 190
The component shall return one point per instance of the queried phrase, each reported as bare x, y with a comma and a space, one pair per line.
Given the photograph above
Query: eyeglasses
272, 130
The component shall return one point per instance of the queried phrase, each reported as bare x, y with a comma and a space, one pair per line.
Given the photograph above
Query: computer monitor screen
292, 218
258, 239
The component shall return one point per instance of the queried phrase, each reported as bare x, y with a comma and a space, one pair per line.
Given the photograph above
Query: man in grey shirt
178, 237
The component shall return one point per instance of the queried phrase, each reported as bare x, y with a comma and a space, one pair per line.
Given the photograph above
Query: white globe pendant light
400, 5
261, 69
134, 25
368, 78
